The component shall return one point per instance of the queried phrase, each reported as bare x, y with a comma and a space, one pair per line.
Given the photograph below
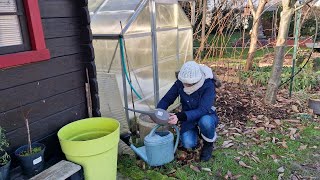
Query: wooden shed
45, 49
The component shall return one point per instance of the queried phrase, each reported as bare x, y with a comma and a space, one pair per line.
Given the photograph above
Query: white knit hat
190, 73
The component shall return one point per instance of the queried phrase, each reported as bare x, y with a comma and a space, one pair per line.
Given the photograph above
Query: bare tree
214, 30
256, 14
275, 79
203, 31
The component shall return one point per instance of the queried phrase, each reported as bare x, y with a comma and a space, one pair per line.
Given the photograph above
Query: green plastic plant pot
93, 144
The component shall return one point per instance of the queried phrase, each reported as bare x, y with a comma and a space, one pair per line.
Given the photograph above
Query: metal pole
295, 47
125, 95
154, 51
176, 17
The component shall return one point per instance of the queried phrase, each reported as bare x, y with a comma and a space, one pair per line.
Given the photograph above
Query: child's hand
173, 119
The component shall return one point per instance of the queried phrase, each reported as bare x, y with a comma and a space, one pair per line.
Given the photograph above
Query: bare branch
303, 4
252, 8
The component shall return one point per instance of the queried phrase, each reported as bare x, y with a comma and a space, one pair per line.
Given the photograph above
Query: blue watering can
159, 147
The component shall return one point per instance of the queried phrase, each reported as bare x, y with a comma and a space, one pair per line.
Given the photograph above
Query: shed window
13, 29
21, 34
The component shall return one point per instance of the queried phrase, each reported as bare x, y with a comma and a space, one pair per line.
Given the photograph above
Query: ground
256, 141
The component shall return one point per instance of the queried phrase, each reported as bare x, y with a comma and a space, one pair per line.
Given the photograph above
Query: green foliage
4, 158
308, 27
305, 80
3, 141
303, 116
127, 166
316, 64
33, 151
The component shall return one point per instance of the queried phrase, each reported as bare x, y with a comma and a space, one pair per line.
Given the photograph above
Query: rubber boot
206, 152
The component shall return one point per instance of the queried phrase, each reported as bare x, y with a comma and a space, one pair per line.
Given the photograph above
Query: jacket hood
206, 71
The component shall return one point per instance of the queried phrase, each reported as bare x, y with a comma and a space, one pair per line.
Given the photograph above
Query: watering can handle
154, 129
177, 132
178, 137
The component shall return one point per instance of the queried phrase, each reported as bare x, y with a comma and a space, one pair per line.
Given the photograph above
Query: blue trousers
207, 127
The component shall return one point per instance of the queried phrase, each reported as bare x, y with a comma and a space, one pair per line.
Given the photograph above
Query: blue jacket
194, 105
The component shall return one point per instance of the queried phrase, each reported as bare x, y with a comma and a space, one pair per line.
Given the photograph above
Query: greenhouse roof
114, 17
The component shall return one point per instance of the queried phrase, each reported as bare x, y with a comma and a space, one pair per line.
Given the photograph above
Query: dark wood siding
51, 93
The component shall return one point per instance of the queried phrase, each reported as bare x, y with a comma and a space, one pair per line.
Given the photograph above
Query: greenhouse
139, 45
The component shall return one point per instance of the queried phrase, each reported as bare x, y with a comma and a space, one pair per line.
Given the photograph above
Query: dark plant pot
31, 164
315, 105
4, 171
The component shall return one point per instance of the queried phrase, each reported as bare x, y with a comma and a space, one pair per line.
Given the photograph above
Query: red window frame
39, 51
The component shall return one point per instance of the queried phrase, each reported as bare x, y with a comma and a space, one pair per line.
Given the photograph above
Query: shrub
4, 157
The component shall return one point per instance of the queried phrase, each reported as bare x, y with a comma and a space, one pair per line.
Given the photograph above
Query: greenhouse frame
142, 43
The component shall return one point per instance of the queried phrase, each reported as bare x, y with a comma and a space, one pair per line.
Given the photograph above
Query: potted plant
5, 159
31, 156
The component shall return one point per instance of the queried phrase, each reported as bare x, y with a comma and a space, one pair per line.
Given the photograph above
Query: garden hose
124, 66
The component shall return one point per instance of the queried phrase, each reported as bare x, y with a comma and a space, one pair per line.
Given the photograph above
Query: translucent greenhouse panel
139, 55
139, 60
94, 5
185, 46
139, 52
167, 44
166, 15
142, 23
185, 58
106, 19
140, 65
183, 20
120, 5
108, 22
107, 55
185, 41
167, 69
142, 81
168, 62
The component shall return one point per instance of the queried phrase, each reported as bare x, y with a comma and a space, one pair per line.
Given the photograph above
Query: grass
236, 53
224, 160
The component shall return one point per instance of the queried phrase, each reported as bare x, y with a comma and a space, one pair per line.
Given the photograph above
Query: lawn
267, 159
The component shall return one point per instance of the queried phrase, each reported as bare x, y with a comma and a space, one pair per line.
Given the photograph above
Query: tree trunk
275, 78
203, 30
253, 45
254, 32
